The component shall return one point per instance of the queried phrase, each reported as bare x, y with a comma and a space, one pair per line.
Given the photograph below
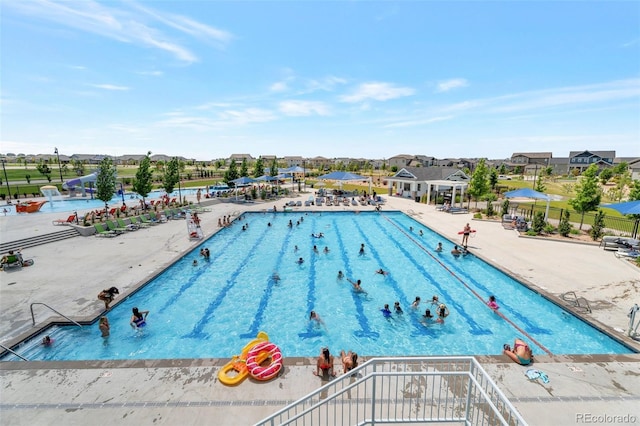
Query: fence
452, 390
616, 225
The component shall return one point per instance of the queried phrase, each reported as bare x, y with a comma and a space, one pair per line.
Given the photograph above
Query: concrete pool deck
68, 275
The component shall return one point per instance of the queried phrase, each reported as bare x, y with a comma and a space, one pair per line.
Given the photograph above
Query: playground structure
73, 184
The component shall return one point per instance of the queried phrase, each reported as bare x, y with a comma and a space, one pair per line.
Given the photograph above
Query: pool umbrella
629, 207
243, 181
530, 193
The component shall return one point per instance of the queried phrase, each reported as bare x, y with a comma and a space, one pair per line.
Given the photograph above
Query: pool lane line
208, 313
420, 328
254, 328
365, 329
311, 293
476, 329
194, 278
470, 289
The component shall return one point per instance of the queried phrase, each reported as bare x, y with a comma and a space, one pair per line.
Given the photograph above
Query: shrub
263, 194
505, 208
490, 211
531, 233
574, 231
538, 222
597, 229
549, 228
564, 227
477, 215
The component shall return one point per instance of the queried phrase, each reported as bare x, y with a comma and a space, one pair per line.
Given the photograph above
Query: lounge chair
146, 220
615, 242
101, 232
628, 253
128, 227
70, 219
12, 261
156, 218
136, 221
298, 203
115, 228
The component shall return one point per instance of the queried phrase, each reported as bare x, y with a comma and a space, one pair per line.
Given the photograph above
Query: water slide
71, 184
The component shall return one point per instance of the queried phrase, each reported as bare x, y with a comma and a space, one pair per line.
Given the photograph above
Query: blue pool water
214, 308
82, 204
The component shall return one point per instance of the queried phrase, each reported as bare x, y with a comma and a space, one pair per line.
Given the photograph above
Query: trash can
417, 199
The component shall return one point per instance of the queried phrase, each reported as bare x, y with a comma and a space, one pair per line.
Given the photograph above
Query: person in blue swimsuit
138, 319
521, 352
386, 312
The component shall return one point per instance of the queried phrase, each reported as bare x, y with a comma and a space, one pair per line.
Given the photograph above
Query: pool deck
68, 275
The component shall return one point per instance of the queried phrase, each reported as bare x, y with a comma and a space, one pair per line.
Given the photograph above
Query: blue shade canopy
294, 169
630, 207
243, 181
342, 176
526, 193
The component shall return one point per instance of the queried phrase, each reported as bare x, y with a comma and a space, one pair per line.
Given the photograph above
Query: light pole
304, 175
4, 160
59, 168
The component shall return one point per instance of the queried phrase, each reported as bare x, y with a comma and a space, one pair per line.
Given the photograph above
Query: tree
171, 175
478, 185
232, 172
605, 175
620, 168
144, 178
258, 168
503, 169
273, 170
538, 222
634, 193
43, 168
78, 167
588, 194
564, 227
597, 230
505, 207
493, 178
540, 186
106, 182
244, 169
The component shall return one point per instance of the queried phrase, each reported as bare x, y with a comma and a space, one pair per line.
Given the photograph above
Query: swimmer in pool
138, 319
397, 308
492, 303
416, 303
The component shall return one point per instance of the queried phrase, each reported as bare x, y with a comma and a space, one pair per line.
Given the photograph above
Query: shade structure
243, 181
629, 207
530, 193
345, 176
267, 178
294, 169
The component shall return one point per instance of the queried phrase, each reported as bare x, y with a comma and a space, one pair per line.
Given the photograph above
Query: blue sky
206, 79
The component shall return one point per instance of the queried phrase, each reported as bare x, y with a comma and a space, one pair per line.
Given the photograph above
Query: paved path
68, 274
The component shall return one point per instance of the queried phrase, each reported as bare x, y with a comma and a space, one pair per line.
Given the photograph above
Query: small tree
538, 222
106, 182
258, 168
505, 208
232, 172
597, 230
244, 168
478, 185
588, 194
144, 178
493, 179
273, 169
564, 227
605, 175
171, 175
490, 198
28, 178
540, 186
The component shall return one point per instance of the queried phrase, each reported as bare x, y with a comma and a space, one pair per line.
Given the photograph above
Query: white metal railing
405, 390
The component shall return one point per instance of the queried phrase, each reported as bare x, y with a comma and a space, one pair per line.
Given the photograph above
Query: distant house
320, 163
131, 159
413, 182
240, 157
634, 168
558, 165
293, 161
582, 159
89, 158
405, 160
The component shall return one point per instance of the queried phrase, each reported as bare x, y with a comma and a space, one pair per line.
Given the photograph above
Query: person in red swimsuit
325, 363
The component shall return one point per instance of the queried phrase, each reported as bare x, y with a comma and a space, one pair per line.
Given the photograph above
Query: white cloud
121, 24
151, 73
279, 86
377, 91
326, 84
303, 108
411, 123
109, 87
454, 83
248, 115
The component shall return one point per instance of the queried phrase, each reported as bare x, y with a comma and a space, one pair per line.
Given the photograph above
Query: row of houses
527, 162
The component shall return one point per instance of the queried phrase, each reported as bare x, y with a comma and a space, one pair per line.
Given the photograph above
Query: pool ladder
577, 302
33, 318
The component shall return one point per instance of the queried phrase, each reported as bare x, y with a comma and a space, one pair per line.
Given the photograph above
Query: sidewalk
69, 274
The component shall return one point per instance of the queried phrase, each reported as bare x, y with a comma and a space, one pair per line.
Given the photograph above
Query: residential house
634, 168
580, 160
240, 157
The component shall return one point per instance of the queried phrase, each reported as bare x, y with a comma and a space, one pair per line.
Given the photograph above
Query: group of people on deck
325, 363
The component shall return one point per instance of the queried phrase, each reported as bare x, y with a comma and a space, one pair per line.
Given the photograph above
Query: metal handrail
13, 352
460, 391
33, 318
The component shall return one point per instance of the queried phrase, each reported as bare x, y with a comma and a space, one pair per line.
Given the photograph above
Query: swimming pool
80, 204
212, 309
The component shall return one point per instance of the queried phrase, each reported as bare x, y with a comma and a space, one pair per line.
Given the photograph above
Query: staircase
68, 232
